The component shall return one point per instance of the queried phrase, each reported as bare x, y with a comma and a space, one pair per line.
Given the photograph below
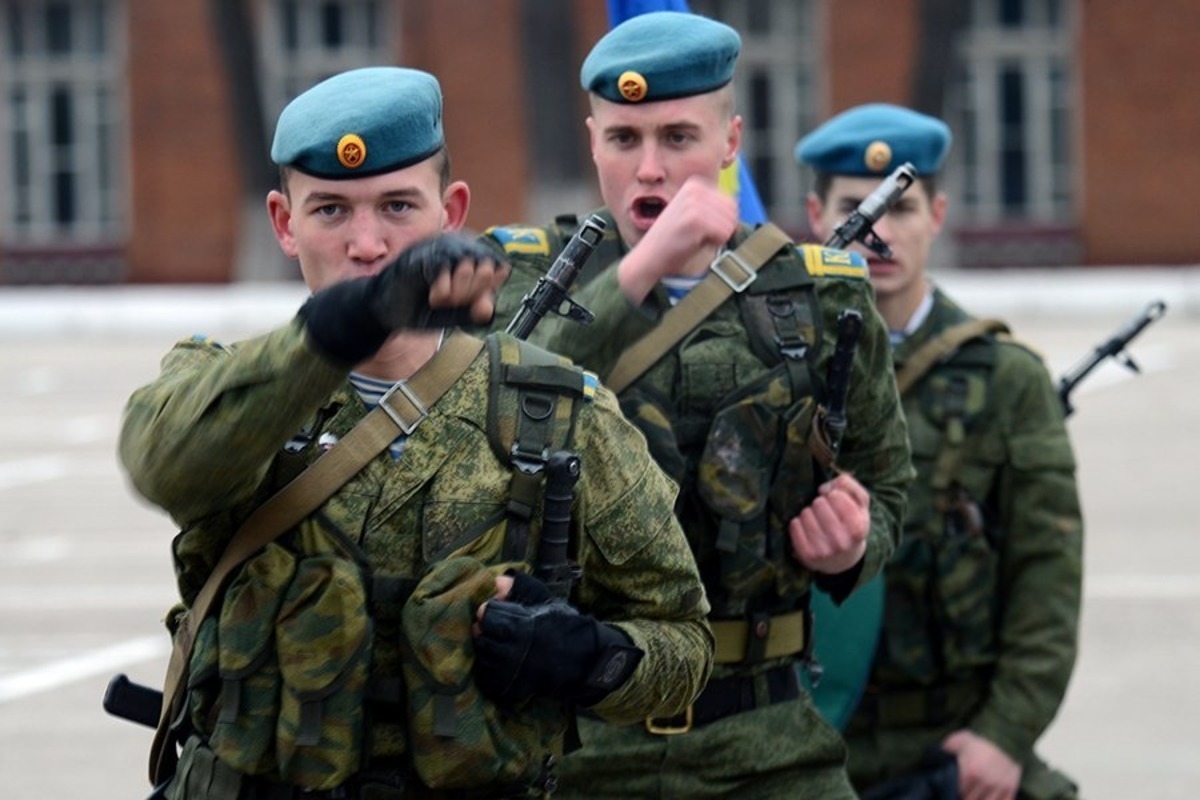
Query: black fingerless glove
548, 649
350, 321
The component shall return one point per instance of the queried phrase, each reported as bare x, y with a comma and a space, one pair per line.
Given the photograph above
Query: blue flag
735, 179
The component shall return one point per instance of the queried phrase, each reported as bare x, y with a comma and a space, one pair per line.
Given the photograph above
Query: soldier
728, 408
392, 643
982, 598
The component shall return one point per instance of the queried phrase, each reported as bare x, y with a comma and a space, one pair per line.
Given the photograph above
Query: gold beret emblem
351, 151
878, 156
632, 86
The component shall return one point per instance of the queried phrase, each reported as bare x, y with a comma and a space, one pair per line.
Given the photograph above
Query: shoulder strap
531, 414
399, 412
942, 347
732, 272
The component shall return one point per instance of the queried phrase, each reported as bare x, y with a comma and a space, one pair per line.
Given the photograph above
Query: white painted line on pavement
1141, 587
69, 670
32, 470
96, 597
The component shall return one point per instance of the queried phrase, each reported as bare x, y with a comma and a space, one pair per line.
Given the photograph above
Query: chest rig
296, 672
729, 414
942, 584
951, 375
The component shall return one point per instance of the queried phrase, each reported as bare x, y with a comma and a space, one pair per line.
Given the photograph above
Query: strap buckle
719, 266
666, 726
414, 401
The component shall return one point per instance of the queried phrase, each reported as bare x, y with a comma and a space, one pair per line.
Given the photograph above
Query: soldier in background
393, 644
982, 603
729, 410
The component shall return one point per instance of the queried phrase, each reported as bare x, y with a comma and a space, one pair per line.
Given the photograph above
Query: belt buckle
660, 726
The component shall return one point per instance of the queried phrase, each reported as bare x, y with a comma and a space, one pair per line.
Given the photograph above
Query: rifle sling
701, 301
400, 411
942, 347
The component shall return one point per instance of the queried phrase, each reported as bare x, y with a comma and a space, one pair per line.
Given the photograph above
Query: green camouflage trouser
785, 750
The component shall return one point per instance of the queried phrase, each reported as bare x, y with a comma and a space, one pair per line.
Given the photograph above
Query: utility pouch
200, 775
967, 573
755, 473
458, 738
243, 735
324, 643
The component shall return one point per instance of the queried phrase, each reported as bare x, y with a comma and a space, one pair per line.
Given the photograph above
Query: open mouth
648, 209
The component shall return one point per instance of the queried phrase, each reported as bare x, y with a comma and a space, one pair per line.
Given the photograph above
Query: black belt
724, 697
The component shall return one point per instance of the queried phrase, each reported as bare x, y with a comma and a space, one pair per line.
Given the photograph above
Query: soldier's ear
456, 202
279, 209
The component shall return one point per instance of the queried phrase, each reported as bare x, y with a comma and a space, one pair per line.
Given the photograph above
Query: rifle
1113, 347
857, 227
551, 291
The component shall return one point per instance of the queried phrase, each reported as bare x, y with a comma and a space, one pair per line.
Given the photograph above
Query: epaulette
826, 262
1008, 338
516, 239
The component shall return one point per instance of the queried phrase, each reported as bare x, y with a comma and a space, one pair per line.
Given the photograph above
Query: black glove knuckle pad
401, 296
551, 650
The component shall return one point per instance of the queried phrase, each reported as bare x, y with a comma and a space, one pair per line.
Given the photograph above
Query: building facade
134, 133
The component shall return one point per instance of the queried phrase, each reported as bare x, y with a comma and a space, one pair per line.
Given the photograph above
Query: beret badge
632, 86
351, 151
877, 156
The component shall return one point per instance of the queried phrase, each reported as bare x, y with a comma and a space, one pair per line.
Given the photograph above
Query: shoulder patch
514, 239
203, 340
826, 262
591, 381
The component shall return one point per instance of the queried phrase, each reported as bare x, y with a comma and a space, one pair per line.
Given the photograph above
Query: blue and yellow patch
203, 340
529, 241
826, 262
591, 382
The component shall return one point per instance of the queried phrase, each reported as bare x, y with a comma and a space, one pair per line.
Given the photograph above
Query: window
61, 118
776, 94
1012, 108
305, 41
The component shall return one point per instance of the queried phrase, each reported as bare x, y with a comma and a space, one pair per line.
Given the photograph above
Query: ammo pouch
755, 473
279, 676
457, 737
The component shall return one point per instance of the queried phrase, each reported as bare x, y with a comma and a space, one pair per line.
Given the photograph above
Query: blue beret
873, 140
661, 55
361, 123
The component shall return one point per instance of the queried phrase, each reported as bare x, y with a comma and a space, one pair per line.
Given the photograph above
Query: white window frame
286, 74
1039, 53
787, 55
94, 82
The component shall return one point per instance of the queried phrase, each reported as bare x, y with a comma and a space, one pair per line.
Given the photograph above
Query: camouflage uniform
223, 427
676, 403
982, 609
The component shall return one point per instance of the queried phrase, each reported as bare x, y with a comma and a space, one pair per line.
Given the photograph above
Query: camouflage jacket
985, 590
207, 441
680, 396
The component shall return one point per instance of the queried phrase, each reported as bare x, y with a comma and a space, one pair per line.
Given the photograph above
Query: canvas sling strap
730, 273
400, 411
942, 347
